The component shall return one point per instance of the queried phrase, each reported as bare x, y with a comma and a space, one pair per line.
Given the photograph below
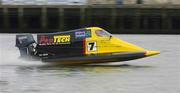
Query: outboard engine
25, 43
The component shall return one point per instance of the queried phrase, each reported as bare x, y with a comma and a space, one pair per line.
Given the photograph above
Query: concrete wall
92, 2
175, 1
44, 2
152, 1
129, 1
84, 2
157, 2
129, 19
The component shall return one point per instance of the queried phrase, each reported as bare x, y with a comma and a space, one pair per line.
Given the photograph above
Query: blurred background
158, 74
116, 16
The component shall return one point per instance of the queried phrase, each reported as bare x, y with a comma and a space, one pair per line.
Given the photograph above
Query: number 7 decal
91, 46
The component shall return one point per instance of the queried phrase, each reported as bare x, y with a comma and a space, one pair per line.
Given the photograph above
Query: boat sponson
124, 56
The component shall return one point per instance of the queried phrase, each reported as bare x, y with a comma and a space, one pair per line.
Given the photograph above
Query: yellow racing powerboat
80, 46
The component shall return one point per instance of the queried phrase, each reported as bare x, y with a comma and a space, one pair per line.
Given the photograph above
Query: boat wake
9, 54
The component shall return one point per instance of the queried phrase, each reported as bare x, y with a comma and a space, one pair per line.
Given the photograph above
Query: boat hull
125, 56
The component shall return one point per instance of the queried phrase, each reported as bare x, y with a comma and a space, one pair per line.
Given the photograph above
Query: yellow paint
62, 38
112, 44
151, 53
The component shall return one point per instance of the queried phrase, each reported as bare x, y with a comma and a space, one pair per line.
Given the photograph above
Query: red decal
43, 40
84, 46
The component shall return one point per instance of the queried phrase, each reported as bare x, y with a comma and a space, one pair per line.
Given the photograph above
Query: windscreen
102, 33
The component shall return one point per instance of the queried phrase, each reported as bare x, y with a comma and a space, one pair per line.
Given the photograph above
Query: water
157, 74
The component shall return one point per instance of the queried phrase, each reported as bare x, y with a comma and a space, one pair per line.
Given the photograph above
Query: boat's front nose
151, 53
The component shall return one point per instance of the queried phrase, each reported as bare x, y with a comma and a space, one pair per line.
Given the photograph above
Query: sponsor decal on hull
91, 46
82, 34
62, 39
88, 34
54, 40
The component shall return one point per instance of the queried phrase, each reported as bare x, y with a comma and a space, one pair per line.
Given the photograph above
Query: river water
156, 74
